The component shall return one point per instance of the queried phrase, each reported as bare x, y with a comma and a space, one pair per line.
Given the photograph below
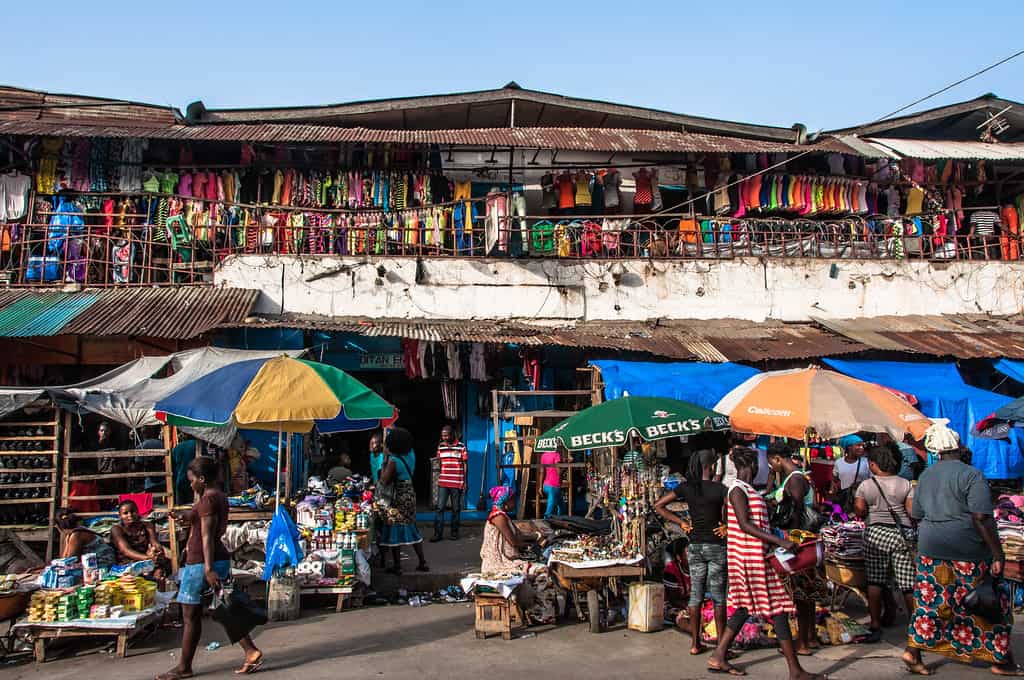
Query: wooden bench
497, 615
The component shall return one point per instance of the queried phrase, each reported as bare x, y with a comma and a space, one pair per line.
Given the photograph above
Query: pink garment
211, 186
552, 475
143, 500
496, 226
199, 185
185, 184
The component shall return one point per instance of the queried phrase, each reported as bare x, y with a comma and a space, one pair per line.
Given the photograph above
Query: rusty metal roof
567, 138
964, 336
174, 313
715, 340
46, 108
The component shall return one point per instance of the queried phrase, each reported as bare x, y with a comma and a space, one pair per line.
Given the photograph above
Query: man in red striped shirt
451, 482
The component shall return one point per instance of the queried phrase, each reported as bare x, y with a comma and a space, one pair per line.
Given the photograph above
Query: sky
825, 64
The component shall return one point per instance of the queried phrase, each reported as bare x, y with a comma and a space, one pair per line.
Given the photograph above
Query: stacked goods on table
844, 543
589, 549
1009, 514
76, 589
334, 525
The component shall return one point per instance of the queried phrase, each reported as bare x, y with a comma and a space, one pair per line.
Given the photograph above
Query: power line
949, 87
691, 201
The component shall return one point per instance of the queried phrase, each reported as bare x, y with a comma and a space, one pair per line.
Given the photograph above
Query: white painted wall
790, 290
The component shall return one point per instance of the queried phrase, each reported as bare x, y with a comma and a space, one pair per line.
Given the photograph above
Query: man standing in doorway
451, 482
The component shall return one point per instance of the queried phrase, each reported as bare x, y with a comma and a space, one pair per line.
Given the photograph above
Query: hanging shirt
915, 200
612, 181
984, 222
566, 191
643, 194
583, 198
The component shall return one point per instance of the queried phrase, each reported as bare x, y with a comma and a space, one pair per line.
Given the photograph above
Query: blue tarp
1011, 368
942, 393
697, 382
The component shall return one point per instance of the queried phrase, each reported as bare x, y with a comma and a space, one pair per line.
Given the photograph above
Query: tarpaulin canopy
127, 393
1011, 368
942, 393
696, 382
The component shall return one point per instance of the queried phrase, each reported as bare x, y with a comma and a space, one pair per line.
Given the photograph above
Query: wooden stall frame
29, 532
498, 415
168, 475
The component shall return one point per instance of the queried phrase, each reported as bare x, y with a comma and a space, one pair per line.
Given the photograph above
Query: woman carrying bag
883, 502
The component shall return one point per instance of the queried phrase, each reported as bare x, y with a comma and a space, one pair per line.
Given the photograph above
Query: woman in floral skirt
957, 547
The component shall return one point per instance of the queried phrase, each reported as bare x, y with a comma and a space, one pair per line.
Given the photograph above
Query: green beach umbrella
611, 423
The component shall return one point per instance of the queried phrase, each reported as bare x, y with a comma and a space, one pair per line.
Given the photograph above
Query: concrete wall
790, 290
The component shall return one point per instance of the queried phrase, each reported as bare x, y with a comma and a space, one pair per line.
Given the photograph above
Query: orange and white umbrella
787, 403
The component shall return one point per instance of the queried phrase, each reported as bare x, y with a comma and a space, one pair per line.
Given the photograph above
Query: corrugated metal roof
963, 337
929, 149
33, 105
714, 340
174, 313
43, 314
568, 139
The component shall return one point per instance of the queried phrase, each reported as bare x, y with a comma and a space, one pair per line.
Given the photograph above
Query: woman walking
754, 587
883, 502
207, 562
400, 521
706, 553
957, 548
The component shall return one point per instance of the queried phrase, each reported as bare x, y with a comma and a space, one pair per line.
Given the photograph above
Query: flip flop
422, 567
248, 668
729, 670
173, 675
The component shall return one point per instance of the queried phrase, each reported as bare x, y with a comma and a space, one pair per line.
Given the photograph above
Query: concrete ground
438, 642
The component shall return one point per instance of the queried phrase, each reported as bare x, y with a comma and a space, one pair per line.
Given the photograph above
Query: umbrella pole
277, 477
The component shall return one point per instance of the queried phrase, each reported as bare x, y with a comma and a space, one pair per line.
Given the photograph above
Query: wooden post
170, 499
288, 465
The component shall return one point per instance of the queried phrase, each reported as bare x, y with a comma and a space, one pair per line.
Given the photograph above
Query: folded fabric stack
844, 543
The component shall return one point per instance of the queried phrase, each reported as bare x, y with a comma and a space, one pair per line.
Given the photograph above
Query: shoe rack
29, 453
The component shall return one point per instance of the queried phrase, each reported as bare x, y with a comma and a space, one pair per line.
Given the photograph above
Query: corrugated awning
963, 337
560, 138
714, 340
173, 313
929, 149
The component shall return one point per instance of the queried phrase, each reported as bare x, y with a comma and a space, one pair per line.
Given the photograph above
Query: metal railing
145, 247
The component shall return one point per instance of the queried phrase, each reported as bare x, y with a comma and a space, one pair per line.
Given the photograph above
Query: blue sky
826, 64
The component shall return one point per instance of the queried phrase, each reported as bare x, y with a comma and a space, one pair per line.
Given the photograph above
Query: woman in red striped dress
754, 587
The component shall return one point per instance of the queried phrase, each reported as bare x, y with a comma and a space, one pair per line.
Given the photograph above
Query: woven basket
846, 576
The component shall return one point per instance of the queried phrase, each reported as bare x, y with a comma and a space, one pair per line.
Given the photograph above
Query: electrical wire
691, 201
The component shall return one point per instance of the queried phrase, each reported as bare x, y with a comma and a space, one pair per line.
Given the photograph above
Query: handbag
810, 555
845, 497
985, 601
386, 492
895, 517
237, 614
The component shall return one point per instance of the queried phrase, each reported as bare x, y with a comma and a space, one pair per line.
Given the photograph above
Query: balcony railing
137, 248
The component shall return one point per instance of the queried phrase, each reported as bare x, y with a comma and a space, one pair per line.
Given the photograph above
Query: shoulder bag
845, 496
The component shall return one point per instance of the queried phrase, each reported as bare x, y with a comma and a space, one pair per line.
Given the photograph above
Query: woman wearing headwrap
499, 556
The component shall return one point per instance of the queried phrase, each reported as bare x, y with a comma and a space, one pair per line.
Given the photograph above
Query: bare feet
1008, 670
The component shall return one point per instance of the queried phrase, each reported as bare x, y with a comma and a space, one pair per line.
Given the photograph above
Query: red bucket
810, 555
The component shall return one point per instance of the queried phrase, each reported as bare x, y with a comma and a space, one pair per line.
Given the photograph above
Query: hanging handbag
237, 614
845, 496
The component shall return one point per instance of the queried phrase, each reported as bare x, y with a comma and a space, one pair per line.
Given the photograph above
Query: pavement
437, 641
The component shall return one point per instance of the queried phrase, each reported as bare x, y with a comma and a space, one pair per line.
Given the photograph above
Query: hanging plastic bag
282, 548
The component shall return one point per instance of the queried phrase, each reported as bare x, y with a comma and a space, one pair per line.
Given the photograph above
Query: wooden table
40, 632
343, 593
592, 580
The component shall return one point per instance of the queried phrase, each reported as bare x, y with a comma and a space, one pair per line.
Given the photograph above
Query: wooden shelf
37, 485
30, 534
28, 453
31, 423
115, 475
4, 470
43, 438
130, 453
17, 501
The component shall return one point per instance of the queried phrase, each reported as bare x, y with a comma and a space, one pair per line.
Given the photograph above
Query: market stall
293, 396
590, 566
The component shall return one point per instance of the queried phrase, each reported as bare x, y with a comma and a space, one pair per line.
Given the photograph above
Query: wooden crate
496, 615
